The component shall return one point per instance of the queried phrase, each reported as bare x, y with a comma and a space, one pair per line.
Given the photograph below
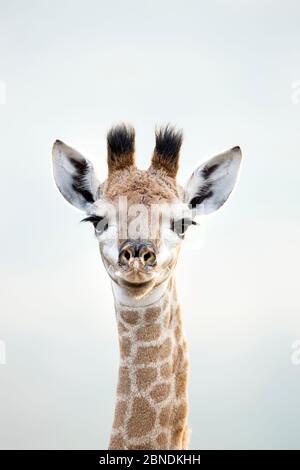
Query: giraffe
151, 410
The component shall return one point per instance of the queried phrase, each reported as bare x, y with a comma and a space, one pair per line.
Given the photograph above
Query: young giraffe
152, 405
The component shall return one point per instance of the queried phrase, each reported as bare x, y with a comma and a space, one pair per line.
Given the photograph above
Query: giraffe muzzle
137, 255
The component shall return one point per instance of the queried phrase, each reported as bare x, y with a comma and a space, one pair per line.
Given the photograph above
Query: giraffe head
140, 217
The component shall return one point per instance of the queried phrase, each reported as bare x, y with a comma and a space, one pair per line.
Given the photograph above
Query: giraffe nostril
126, 255
148, 257
134, 251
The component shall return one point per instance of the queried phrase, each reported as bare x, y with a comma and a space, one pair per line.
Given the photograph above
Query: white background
224, 71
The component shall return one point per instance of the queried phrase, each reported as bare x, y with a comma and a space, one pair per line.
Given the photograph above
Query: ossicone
167, 149
120, 147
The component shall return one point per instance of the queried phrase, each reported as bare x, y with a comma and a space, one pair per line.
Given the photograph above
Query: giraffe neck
151, 409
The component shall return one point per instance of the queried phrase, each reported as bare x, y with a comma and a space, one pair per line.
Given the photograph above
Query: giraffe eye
100, 223
180, 226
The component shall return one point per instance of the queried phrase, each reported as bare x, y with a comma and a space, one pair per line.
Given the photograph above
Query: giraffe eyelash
181, 225
94, 219
100, 223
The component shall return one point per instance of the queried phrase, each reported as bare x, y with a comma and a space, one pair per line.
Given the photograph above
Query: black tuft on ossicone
168, 141
120, 146
167, 148
120, 139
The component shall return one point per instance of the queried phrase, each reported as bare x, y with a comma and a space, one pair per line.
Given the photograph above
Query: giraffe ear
211, 183
74, 176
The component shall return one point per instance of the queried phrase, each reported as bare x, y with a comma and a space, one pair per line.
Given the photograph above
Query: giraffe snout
134, 254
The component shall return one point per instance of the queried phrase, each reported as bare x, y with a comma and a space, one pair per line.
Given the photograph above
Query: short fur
152, 403
141, 187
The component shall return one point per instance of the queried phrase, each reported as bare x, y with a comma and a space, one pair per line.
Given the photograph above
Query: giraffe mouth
137, 289
136, 285
135, 281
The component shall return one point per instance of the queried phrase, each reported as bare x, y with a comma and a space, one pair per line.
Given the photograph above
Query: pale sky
224, 71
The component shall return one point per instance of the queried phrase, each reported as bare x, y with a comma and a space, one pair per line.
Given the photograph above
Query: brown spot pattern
153, 353
121, 328
178, 425
178, 358
166, 370
146, 446
152, 314
124, 381
142, 418
145, 376
165, 415
181, 383
165, 349
179, 413
160, 392
116, 442
120, 414
130, 316
135, 417
148, 333
125, 346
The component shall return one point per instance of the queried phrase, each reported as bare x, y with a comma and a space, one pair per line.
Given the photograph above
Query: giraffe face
140, 217
140, 229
